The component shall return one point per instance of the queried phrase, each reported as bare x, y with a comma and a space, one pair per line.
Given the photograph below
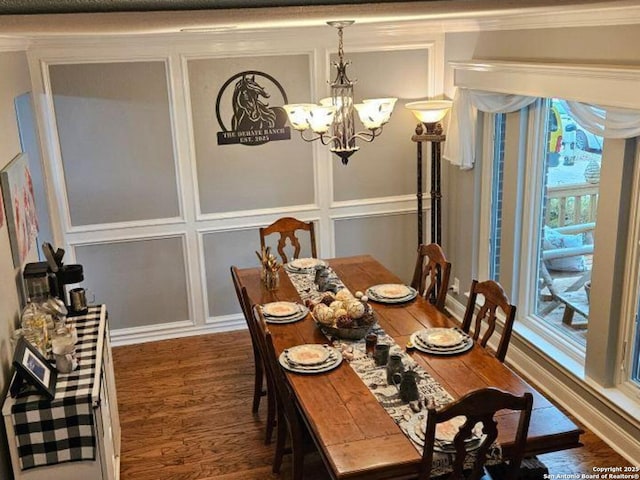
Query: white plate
392, 291
304, 311
417, 425
305, 263
467, 344
281, 309
334, 360
413, 293
441, 337
307, 355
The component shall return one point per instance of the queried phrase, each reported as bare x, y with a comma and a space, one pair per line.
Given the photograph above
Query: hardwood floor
185, 412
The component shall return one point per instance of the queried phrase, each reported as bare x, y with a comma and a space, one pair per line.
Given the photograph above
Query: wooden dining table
355, 435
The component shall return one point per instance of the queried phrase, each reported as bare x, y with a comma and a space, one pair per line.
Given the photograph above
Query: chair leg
271, 412
281, 438
258, 391
298, 461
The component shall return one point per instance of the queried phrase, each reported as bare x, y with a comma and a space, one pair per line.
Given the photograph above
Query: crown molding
10, 44
408, 23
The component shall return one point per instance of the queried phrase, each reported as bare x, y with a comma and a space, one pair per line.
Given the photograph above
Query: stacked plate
442, 341
445, 434
303, 265
310, 358
391, 293
283, 312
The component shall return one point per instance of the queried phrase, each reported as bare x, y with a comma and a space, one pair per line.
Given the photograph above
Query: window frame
631, 299
531, 235
528, 264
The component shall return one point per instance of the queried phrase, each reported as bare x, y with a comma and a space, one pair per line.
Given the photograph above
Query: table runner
61, 430
374, 377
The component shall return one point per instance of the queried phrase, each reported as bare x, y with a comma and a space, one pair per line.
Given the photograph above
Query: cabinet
85, 401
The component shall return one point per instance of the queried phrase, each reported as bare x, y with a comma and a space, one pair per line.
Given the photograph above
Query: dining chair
287, 227
431, 274
290, 424
260, 377
479, 406
494, 298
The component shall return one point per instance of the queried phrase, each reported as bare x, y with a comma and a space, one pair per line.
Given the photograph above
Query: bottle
34, 326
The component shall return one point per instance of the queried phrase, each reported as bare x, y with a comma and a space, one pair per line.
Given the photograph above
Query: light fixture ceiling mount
336, 113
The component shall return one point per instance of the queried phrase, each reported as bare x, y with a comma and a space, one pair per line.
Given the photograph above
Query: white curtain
459, 149
607, 122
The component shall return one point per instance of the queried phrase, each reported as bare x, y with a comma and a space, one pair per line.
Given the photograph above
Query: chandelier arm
368, 136
320, 136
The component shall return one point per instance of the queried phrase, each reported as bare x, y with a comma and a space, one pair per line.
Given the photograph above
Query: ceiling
31, 7
45, 18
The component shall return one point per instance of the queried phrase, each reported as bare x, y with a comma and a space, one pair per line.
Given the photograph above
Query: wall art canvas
20, 208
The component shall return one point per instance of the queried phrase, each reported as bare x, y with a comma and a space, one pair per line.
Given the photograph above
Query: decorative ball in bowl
343, 316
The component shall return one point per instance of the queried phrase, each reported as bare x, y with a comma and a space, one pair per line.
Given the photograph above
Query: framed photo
34, 369
20, 207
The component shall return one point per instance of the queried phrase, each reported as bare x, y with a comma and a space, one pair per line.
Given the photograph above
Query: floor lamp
430, 113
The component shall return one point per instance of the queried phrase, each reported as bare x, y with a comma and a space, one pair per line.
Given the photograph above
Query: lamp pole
433, 133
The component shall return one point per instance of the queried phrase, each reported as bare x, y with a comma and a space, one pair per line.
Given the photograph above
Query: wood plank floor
185, 412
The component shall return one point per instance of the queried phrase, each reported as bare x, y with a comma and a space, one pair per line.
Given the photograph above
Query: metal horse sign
254, 121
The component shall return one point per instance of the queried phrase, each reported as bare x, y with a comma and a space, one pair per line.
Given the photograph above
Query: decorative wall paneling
206, 267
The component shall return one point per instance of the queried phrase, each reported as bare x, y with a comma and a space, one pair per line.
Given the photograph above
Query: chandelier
335, 114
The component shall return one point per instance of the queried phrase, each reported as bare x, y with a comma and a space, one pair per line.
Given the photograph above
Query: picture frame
33, 370
19, 207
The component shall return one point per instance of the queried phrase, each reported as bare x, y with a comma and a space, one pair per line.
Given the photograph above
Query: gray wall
116, 141
15, 82
243, 177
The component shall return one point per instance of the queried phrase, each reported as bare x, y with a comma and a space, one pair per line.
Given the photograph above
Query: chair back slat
431, 274
479, 406
286, 227
494, 298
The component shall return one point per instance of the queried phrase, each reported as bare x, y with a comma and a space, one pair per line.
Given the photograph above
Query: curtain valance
607, 122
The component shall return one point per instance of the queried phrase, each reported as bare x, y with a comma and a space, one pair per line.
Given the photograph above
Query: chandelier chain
340, 45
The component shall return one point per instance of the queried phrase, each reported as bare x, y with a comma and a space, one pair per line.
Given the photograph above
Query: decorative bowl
350, 333
353, 333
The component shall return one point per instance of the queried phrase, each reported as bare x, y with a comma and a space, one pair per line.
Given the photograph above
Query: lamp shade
430, 111
298, 114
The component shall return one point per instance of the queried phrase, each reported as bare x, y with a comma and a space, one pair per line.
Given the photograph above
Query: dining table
355, 435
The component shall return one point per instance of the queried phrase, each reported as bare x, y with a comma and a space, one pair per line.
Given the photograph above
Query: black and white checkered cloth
62, 430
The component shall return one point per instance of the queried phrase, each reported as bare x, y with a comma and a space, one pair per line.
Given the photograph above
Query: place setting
304, 265
283, 312
391, 293
441, 341
310, 358
445, 433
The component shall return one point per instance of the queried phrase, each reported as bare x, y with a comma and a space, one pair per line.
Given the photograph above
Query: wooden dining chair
290, 424
261, 376
478, 406
494, 299
431, 274
287, 227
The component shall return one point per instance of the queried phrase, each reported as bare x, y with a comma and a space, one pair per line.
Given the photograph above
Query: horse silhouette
249, 112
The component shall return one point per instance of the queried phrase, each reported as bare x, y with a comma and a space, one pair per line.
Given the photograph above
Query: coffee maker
50, 278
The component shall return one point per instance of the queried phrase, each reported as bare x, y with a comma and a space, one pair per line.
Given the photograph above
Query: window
570, 190
497, 180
